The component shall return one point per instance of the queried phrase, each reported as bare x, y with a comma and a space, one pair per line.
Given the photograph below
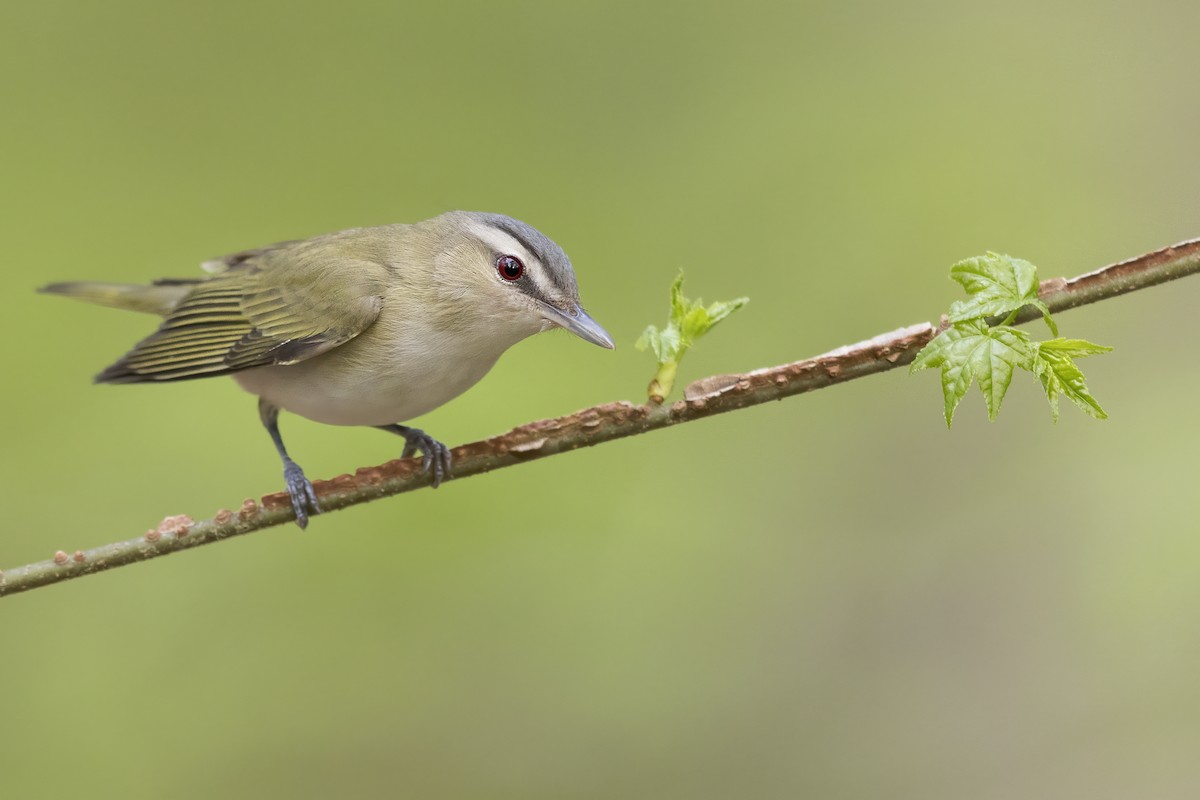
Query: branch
713, 395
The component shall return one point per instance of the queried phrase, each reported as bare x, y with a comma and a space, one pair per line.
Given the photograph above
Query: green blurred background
826, 597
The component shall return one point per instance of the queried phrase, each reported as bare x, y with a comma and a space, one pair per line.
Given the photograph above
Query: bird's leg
304, 498
436, 455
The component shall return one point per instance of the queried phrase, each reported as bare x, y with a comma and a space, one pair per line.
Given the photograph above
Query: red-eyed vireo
369, 326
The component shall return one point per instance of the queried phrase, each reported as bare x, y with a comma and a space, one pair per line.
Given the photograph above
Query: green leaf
999, 286
971, 351
1075, 348
1054, 365
720, 310
694, 324
678, 302
652, 339
689, 320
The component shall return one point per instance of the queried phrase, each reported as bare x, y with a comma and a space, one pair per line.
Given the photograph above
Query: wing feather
279, 305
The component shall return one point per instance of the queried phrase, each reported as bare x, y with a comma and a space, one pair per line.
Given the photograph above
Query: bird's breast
379, 378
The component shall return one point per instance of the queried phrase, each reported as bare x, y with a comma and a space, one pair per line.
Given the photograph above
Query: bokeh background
830, 596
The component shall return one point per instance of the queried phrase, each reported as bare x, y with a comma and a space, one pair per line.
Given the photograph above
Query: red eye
510, 267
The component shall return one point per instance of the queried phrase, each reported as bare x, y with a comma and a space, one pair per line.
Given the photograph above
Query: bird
369, 326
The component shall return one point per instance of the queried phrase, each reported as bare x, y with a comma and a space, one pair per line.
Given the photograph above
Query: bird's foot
300, 488
436, 455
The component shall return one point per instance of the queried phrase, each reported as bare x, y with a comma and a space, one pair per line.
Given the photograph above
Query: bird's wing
277, 306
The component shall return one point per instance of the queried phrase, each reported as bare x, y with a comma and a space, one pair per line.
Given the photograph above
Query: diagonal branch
706, 397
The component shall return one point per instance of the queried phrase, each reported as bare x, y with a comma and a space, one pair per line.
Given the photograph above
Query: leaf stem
663, 382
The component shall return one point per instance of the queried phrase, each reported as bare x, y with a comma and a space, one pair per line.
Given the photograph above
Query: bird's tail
159, 298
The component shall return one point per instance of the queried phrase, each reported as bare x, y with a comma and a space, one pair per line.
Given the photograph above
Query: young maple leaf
971, 351
1054, 365
999, 286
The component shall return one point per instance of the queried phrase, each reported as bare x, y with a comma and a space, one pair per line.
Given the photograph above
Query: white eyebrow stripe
501, 242
506, 244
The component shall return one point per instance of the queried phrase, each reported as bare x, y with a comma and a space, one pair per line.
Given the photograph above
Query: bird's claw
436, 456
300, 488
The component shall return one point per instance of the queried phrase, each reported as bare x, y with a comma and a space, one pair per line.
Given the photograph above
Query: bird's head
500, 270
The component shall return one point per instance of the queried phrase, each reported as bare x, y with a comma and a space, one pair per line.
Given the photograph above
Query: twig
703, 398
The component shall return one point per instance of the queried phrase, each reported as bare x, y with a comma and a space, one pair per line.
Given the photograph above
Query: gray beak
577, 321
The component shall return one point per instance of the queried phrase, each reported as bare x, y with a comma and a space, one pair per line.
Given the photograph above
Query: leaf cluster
689, 320
973, 349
